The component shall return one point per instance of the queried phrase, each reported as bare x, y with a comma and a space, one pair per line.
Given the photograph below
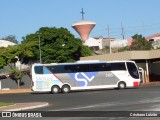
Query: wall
119, 43
11, 84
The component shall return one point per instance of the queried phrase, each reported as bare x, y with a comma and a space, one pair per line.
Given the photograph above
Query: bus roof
81, 62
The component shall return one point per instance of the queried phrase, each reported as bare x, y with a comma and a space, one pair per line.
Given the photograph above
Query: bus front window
132, 69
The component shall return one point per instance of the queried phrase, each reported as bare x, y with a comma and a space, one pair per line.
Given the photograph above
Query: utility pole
123, 32
143, 29
110, 49
40, 54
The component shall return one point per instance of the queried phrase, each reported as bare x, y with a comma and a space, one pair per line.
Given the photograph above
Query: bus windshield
132, 69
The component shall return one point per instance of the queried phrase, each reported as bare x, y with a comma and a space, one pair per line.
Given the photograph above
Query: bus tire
65, 88
121, 85
55, 89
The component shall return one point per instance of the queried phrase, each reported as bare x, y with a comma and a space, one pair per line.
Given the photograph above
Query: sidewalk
151, 84
16, 91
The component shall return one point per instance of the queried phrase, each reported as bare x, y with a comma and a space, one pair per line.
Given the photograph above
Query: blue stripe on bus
83, 78
46, 71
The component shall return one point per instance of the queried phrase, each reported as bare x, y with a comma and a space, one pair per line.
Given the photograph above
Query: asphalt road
139, 99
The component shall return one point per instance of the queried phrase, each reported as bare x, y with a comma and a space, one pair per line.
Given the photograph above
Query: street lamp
40, 56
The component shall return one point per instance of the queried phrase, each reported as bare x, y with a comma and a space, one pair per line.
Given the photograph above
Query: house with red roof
155, 39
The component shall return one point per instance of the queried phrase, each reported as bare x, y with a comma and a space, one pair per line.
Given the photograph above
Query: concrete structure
147, 60
102, 42
97, 42
8, 83
83, 28
119, 43
4, 43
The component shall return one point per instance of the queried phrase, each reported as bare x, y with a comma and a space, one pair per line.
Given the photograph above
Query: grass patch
5, 104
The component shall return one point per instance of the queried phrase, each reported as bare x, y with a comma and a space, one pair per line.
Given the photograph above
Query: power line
137, 29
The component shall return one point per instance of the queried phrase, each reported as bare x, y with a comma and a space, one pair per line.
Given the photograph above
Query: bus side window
118, 66
94, 67
100, 67
106, 67
69, 68
57, 69
38, 69
82, 68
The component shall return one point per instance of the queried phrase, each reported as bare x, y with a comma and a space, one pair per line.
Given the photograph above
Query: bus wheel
121, 85
65, 88
55, 89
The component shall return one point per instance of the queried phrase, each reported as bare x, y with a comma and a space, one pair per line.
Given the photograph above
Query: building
101, 42
119, 43
155, 39
149, 61
98, 43
4, 43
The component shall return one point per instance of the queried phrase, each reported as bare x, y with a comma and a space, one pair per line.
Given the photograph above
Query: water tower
83, 27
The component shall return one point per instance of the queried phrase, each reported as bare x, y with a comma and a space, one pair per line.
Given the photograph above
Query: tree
2, 60
11, 38
140, 43
23, 52
57, 45
17, 75
8, 54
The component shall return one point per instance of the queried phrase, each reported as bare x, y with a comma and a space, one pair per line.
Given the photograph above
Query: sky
22, 17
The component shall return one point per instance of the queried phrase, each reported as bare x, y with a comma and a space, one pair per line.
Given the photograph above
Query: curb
12, 91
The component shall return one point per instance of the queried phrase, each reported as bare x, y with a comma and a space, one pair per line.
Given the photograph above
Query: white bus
63, 77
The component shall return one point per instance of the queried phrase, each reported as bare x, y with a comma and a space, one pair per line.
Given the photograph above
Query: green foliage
127, 48
17, 74
6, 104
57, 45
158, 48
140, 43
26, 52
8, 54
2, 62
85, 51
